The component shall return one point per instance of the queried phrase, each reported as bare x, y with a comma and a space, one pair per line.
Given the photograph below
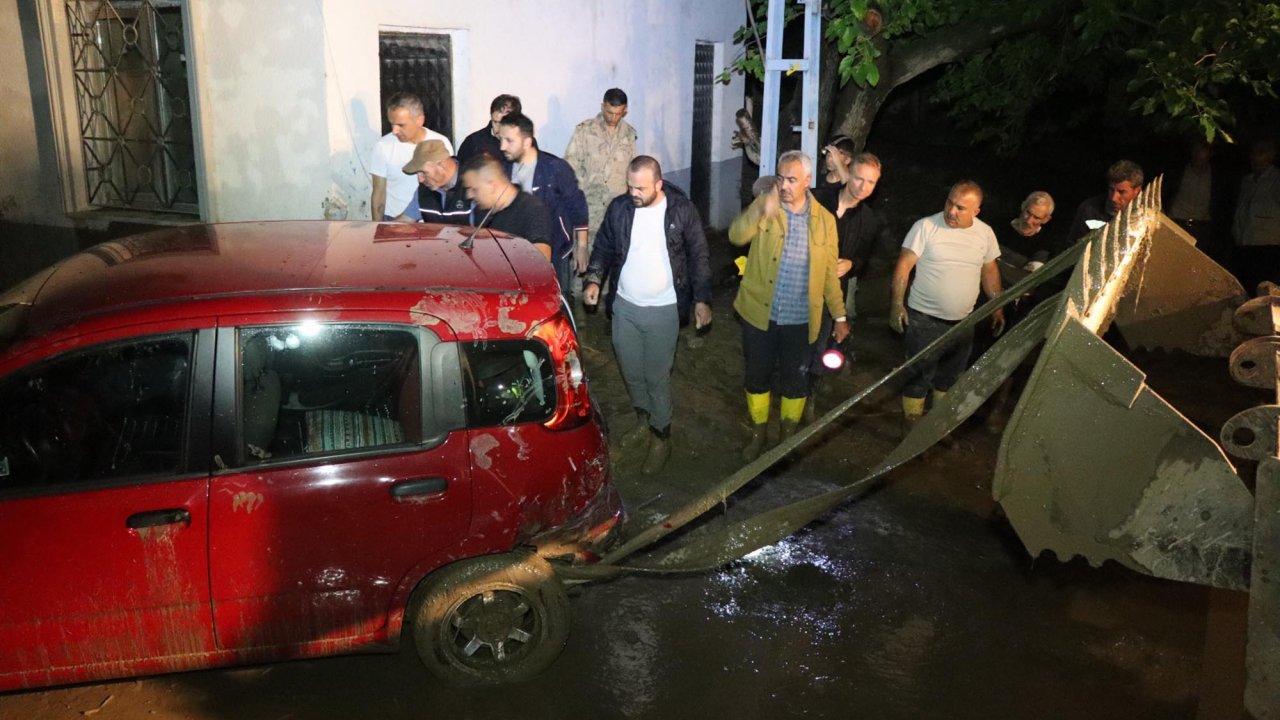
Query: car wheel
491, 620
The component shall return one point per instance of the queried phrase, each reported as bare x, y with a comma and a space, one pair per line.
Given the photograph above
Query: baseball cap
429, 151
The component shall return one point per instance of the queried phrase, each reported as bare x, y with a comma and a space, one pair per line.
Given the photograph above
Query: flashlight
832, 359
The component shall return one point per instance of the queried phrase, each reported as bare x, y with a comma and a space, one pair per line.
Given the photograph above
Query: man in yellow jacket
790, 274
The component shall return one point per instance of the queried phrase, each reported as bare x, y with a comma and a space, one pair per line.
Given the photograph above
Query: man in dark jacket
651, 249
485, 140
551, 180
1124, 182
441, 197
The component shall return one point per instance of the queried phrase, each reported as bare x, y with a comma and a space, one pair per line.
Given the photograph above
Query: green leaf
873, 74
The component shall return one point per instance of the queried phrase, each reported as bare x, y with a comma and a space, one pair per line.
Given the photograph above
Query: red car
246, 442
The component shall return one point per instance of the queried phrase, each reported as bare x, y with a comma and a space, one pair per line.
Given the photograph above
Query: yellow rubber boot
791, 411
758, 409
912, 411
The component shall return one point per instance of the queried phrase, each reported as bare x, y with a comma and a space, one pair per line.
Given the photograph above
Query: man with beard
550, 179
652, 251
790, 274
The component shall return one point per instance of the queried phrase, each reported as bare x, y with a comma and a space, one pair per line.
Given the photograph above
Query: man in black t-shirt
509, 208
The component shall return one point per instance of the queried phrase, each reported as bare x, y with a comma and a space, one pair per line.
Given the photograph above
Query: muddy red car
248, 442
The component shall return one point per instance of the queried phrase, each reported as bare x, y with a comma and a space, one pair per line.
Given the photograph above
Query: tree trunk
900, 62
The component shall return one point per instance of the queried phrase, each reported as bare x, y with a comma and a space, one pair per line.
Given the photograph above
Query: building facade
228, 110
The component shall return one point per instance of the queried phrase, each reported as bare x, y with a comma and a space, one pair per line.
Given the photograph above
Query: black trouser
939, 370
777, 359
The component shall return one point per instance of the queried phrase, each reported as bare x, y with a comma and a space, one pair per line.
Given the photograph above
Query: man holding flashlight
790, 275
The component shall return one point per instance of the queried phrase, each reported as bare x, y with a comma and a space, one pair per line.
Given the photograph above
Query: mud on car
248, 442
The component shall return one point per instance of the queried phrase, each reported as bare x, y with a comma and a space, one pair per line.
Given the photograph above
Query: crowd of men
613, 229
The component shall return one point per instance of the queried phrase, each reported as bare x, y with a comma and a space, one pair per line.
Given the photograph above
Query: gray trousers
644, 339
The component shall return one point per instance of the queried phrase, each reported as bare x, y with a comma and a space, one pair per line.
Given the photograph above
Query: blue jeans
940, 370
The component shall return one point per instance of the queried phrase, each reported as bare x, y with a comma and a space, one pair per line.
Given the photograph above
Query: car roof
201, 262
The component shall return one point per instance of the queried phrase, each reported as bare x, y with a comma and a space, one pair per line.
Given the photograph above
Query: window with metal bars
134, 109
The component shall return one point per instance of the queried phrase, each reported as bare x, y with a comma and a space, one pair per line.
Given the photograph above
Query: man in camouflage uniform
599, 152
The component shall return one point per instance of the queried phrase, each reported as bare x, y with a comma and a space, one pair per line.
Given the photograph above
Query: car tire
490, 620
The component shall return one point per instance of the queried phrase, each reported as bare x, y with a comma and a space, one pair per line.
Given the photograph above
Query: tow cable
737, 539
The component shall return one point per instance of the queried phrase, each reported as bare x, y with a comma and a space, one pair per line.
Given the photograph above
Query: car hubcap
495, 626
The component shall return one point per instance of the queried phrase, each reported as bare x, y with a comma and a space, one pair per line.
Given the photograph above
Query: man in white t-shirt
652, 251
394, 192
953, 253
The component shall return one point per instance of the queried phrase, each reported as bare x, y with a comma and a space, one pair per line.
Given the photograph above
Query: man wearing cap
441, 198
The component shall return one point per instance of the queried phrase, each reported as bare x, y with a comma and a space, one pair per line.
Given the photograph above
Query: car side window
317, 389
508, 382
108, 412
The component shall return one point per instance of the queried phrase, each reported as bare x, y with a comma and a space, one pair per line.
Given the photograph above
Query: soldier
599, 152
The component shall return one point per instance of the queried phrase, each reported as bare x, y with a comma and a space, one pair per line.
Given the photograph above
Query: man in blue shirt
552, 181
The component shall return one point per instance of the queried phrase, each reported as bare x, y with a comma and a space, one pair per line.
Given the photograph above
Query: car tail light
573, 403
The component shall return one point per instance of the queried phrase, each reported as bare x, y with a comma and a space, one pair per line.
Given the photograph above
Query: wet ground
914, 601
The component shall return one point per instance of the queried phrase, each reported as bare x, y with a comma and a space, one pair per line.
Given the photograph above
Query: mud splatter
247, 501
522, 447
480, 447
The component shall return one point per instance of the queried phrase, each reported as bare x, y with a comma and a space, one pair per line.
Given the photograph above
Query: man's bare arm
991, 287
378, 200
901, 278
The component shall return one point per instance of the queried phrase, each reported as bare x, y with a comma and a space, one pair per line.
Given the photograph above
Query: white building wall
287, 92
29, 188
558, 56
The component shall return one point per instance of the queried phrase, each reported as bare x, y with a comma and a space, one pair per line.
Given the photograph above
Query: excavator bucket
1093, 461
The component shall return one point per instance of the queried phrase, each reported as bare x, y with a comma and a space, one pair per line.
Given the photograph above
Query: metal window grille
134, 106
422, 64
700, 170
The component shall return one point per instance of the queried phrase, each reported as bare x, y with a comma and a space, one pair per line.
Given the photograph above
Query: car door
103, 499
340, 475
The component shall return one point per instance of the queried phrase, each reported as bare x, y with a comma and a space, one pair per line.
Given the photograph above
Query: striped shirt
791, 291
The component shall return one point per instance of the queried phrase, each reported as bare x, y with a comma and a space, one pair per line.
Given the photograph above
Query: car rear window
318, 389
508, 382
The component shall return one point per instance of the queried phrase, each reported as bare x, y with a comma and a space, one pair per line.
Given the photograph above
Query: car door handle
419, 486
153, 518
